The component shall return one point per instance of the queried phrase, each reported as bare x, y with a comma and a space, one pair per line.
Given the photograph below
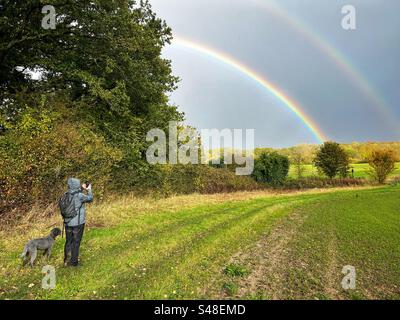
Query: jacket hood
74, 184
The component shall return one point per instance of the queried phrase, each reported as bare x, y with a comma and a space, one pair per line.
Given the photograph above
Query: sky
345, 82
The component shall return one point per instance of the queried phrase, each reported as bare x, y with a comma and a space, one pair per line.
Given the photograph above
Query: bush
216, 181
332, 159
271, 168
41, 152
382, 163
186, 179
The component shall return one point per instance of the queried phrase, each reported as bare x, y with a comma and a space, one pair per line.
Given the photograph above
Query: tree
271, 167
382, 163
103, 60
106, 55
332, 160
298, 161
101, 76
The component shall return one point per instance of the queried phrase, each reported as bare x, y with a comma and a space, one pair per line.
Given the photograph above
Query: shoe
76, 264
70, 264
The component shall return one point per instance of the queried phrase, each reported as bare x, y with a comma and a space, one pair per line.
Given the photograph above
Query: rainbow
335, 55
273, 89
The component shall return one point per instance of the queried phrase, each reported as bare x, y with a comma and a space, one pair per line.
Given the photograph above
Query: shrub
271, 168
186, 179
41, 152
332, 159
219, 180
382, 163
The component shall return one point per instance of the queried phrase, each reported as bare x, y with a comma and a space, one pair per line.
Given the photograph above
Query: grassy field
248, 245
360, 171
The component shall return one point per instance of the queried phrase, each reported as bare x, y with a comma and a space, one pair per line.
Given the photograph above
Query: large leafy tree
104, 54
83, 95
332, 160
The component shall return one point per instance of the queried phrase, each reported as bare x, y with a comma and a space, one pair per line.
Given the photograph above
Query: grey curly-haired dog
44, 244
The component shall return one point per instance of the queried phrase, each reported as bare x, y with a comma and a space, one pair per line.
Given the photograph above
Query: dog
45, 244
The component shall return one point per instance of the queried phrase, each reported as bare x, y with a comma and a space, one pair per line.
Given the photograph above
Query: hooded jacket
74, 186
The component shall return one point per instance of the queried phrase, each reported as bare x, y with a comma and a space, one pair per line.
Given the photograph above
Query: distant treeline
357, 151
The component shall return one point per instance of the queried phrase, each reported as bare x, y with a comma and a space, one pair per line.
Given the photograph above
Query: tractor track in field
267, 260
332, 276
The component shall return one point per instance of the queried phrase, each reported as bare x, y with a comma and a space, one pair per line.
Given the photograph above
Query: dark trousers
73, 242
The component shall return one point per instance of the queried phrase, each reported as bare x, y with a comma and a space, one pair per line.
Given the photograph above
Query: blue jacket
74, 185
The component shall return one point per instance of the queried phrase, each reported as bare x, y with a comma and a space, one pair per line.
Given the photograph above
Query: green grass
361, 229
360, 171
190, 253
234, 270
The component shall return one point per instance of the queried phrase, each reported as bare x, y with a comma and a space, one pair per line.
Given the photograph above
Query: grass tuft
234, 270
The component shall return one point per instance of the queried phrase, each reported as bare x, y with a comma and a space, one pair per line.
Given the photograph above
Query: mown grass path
292, 247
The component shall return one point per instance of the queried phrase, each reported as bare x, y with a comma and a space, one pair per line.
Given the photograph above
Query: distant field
270, 247
360, 170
